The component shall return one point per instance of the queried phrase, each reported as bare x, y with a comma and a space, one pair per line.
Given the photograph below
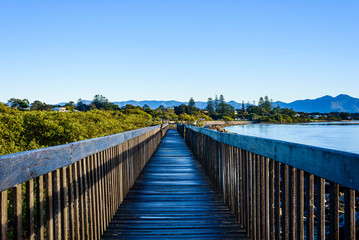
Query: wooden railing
281, 190
71, 191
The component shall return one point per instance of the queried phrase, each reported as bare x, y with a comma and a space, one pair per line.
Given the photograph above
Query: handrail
19, 167
336, 166
72, 190
279, 189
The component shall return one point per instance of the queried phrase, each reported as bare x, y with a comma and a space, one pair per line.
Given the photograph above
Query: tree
70, 106
267, 104
210, 107
216, 103
81, 106
100, 101
260, 102
18, 103
146, 108
243, 108
191, 102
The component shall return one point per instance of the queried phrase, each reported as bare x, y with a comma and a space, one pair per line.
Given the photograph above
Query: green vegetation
266, 112
25, 126
27, 130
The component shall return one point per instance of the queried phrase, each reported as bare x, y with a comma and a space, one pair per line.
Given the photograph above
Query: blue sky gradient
164, 50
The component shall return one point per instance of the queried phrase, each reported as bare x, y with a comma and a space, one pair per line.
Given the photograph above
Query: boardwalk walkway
173, 198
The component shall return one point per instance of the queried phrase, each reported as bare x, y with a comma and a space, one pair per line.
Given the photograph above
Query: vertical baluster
277, 201
17, 229
107, 190
83, 168
98, 194
293, 203
71, 195
64, 204
81, 199
103, 190
267, 198
300, 204
310, 206
250, 197
349, 226
40, 207
120, 177
30, 209
258, 196
3, 214
77, 200
90, 196
334, 210
49, 207
285, 201
272, 199
57, 204
320, 208
94, 206
262, 197
254, 195
240, 186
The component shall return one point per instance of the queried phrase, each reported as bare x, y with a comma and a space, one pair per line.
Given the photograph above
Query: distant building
317, 116
60, 109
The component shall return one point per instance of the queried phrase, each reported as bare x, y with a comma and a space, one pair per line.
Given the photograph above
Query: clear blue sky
57, 51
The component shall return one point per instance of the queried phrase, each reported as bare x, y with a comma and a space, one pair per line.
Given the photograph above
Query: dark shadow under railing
281, 190
71, 191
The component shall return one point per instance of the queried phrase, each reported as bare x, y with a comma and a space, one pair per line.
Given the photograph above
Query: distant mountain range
326, 104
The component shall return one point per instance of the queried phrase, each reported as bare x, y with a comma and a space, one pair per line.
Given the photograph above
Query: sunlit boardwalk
173, 198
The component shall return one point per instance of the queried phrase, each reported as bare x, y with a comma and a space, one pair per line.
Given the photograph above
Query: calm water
342, 136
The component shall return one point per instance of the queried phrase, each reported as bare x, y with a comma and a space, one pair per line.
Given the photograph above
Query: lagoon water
343, 136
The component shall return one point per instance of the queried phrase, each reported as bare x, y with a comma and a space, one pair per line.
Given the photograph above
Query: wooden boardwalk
173, 199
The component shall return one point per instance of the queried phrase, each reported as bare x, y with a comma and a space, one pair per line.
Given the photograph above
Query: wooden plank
334, 210
17, 212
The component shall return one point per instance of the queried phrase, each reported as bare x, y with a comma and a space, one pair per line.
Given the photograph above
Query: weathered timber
20, 167
294, 196
336, 166
173, 198
83, 182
